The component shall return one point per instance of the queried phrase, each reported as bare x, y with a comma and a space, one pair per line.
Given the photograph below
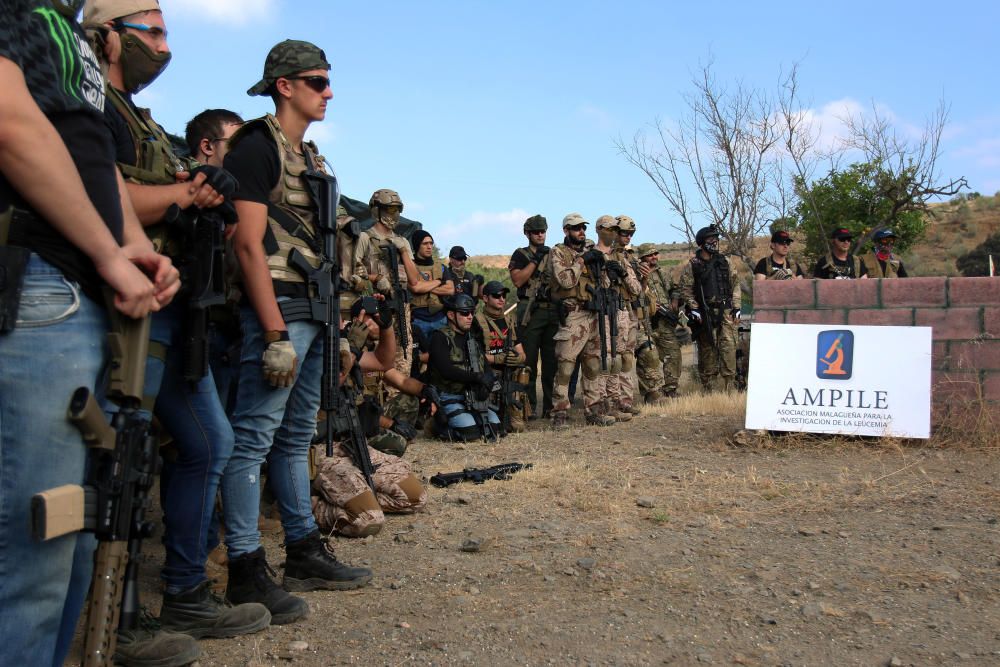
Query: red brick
847, 293
784, 293
939, 355
815, 317
948, 323
991, 386
974, 291
954, 386
880, 317
769, 316
914, 292
991, 322
983, 355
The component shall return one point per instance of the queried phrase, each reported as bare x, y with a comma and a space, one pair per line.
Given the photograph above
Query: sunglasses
784, 242
537, 231
624, 233
844, 238
576, 228
315, 81
464, 313
154, 31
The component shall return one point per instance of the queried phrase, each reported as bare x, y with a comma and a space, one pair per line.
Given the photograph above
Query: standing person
426, 307
779, 265
840, 263
881, 261
630, 289
62, 239
648, 366
574, 262
281, 360
665, 316
710, 289
456, 271
133, 34
504, 351
615, 272
530, 270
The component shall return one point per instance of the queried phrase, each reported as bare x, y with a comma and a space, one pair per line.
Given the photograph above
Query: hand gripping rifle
325, 284
476, 397
112, 504
399, 297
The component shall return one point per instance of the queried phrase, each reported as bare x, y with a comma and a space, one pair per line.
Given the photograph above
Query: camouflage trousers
401, 406
647, 364
578, 337
343, 502
717, 367
669, 351
404, 358
619, 381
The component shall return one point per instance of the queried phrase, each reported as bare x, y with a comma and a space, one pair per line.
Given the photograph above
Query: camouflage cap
607, 222
99, 12
536, 223
573, 219
286, 58
646, 249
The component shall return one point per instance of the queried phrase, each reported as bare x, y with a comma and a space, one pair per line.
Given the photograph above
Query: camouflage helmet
385, 197
573, 219
287, 58
625, 223
646, 249
607, 222
536, 223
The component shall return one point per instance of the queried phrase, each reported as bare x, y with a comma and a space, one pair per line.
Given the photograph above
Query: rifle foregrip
104, 609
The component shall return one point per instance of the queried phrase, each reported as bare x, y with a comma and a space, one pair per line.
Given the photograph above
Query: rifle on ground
478, 475
124, 459
398, 298
325, 283
476, 401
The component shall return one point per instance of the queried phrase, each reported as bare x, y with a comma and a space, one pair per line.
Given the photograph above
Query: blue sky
483, 113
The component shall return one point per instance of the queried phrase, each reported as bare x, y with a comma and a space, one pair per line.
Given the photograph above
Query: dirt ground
663, 541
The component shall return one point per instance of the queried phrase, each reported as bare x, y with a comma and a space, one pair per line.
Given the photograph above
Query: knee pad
564, 371
591, 367
627, 362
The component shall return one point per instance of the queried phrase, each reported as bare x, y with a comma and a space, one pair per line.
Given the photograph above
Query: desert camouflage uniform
664, 291
716, 349
344, 503
648, 368
618, 383
578, 334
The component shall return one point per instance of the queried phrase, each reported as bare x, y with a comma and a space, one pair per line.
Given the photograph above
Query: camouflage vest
428, 300
458, 356
537, 286
291, 213
773, 270
713, 284
578, 292
854, 270
874, 266
494, 336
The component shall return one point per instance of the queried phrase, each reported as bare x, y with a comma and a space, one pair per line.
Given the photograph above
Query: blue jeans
277, 424
458, 415
203, 438
57, 346
427, 326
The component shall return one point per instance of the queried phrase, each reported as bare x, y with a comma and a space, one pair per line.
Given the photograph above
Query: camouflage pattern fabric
289, 57
648, 368
717, 369
578, 337
343, 502
668, 349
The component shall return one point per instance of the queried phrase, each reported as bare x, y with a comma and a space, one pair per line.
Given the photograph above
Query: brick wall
964, 314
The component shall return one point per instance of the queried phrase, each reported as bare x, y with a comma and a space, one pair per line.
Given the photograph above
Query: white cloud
322, 133
481, 232
596, 116
984, 152
239, 12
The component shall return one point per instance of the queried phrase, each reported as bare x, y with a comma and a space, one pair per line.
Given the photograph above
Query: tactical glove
401, 244
279, 359
218, 179
594, 256
357, 335
383, 318
695, 315
736, 313
615, 269
404, 429
540, 254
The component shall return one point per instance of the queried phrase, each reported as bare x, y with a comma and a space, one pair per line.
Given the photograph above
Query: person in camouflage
503, 352
537, 319
664, 317
574, 262
649, 370
710, 289
631, 291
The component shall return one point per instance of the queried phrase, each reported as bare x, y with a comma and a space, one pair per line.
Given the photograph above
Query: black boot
201, 613
147, 645
311, 566
250, 581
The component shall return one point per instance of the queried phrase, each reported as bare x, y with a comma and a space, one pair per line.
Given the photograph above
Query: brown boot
560, 420
596, 416
629, 407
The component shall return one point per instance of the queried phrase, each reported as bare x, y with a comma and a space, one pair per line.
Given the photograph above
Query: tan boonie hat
607, 222
573, 219
99, 12
646, 249
286, 58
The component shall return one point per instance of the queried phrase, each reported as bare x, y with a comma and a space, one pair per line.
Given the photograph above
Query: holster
13, 265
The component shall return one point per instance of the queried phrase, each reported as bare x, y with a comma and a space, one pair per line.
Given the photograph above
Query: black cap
494, 288
458, 252
781, 235
841, 232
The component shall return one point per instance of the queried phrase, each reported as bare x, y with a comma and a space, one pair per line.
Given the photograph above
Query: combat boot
560, 420
311, 566
200, 613
595, 416
148, 645
652, 397
629, 407
612, 409
250, 581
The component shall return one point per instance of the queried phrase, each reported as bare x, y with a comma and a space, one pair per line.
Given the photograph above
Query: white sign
850, 380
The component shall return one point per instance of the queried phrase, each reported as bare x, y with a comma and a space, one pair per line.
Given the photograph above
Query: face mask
140, 66
711, 246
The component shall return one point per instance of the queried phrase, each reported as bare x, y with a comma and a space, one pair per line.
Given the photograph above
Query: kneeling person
505, 356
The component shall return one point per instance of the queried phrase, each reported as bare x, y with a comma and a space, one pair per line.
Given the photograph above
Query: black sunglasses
464, 313
844, 238
784, 242
317, 82
576, 228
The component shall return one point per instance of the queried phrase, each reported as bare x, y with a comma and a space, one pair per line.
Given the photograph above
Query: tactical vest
713, 281
537, 286
458, 356
494, 337
624, 258
891, 269
578, 292
428, 300
374, 387
291, 213
772, 270
854, 268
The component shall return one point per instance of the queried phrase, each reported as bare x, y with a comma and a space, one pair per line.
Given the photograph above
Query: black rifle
710, 325
398, 298
325, 283
112, 504
604, 301
477, 398
478, 475
508, 385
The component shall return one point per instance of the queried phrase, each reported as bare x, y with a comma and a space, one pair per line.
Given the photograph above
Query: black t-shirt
255, 163
519, 260
121, 136
495, 338
440, 358
767, 265
65, 81
841, 268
